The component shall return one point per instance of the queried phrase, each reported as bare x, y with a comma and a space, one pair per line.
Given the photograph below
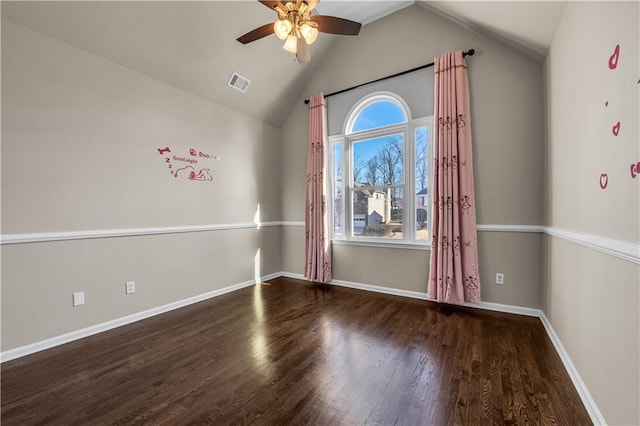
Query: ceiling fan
298, 27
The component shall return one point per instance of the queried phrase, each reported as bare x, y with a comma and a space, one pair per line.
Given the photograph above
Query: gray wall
79, 140
79, 153
591, 298
507, 115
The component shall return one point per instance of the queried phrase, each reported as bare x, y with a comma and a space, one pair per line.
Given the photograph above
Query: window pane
337, 189
379, 161
422, 177
378, 213
379, 114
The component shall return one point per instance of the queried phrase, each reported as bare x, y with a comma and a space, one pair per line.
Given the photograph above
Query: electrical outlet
129, 287
500, 278
78, 298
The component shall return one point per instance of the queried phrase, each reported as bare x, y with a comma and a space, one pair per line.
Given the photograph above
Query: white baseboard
118, 322
509, 309
581, 388
366, 287
520, 310
589, 404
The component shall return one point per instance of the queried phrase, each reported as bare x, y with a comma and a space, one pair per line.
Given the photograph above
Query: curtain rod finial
471, 52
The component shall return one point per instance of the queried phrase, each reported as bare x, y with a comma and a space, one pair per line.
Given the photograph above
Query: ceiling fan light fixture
282, 28
298, 28
309, 33
291, 45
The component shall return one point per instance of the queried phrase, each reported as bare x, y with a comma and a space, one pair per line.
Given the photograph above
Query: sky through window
376, 115
379, 114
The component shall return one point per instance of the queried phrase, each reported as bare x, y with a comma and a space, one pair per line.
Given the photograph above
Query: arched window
376, 112
385, 159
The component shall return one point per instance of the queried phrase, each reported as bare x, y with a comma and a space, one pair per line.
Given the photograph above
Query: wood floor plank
289, 352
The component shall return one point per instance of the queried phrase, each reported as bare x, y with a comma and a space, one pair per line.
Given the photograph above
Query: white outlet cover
78, 298
130, 287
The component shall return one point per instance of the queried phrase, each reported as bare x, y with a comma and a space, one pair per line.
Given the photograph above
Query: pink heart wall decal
604, 180
616, 129
613, 59
635, 170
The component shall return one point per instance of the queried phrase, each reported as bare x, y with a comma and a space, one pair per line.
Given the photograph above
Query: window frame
347, 139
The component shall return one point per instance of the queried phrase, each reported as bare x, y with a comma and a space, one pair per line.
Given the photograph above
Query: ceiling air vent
238, 82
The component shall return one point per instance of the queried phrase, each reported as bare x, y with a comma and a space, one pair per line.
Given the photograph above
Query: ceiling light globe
282, 28
291, 45
309, 33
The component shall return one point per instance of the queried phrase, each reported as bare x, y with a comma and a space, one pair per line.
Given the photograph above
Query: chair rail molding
621, 249
129, 232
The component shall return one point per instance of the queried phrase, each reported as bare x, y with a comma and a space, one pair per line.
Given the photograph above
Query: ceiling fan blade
303, 53
273, 5
333, 25
258, 33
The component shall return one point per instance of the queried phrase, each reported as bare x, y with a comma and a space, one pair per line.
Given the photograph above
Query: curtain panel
317, 242
453, 267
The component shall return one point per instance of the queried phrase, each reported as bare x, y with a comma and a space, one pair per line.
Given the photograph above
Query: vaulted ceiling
192, 46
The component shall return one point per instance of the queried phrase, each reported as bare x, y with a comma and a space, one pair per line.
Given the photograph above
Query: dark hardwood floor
288, 352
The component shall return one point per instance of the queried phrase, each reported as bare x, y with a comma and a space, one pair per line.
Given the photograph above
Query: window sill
382, 244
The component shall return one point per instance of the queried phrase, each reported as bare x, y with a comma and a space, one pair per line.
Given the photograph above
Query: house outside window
376, 164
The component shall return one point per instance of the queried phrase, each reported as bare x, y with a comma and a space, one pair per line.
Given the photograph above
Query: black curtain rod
469, 52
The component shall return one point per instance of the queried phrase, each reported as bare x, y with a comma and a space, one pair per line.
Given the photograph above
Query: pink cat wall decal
613, 59
203, 174
189, 172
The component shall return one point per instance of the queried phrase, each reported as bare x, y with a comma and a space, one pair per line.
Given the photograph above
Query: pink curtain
317, 248
453, 271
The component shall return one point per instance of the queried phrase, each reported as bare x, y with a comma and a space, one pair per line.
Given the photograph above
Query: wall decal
616, 129
604, 180
188, 171
613, 59
606, 104
635, 170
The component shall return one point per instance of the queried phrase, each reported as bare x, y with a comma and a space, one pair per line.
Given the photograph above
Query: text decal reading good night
191, 166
